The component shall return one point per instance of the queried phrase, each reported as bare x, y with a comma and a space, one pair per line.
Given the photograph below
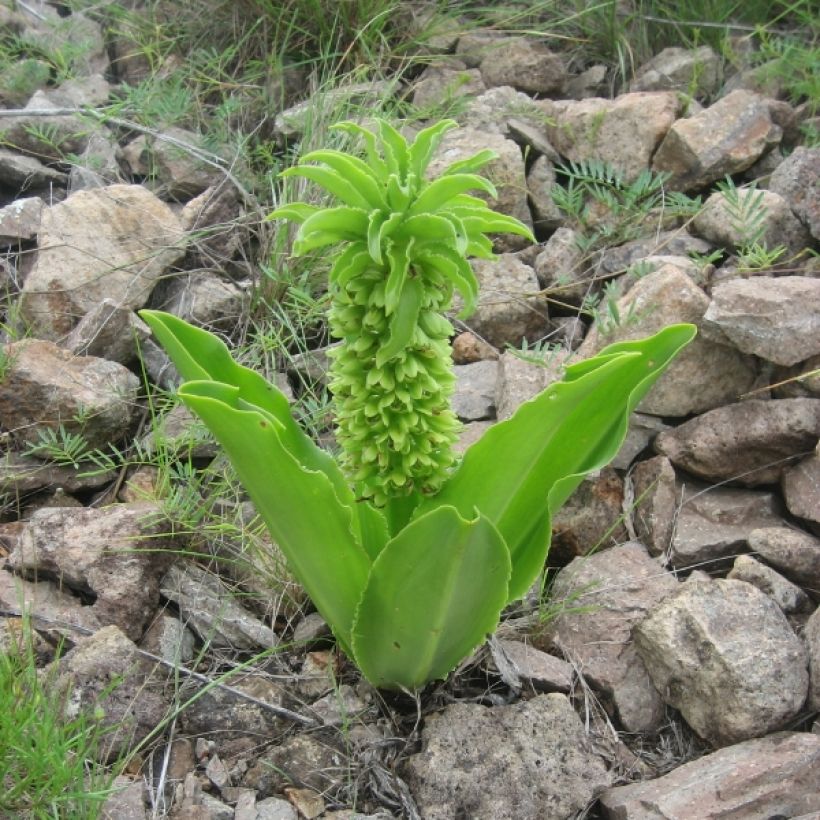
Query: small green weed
48, 763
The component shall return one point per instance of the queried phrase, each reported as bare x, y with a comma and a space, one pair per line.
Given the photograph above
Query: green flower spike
407, 241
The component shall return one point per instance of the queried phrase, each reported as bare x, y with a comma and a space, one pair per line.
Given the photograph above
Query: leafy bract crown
394, 218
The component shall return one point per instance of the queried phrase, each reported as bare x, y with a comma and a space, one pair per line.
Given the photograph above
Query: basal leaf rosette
405, 242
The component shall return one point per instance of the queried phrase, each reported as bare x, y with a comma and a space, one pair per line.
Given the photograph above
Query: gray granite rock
607, 594
774, 776
531, 760
730, 683
748, 442
795, 553
775, 318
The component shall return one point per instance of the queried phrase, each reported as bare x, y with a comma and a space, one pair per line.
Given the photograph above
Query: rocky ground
679, 673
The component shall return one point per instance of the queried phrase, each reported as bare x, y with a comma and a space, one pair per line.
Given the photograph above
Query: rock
112, 243
520, 381
118, 553
219, 231
606, 595
445, 84
475, 45
307, 802
108, 332
311, 627
656, 498
22, 173
131, 709
77, 38
790, 598
730, 683
46, 387
340, 707
468, 348
641, 433
291, 123
801, 488
714, 523
126, 801
796, 554
21, 77
53, 138
55, 608
273, 808
506, 172
797, 180
313, 761
98, 165
811, 635
527, 665
705, 374
470, 434
174, 157
531, 760
591, 518
209, 608
722, 222
168, 638
509, 305
524, 64
222, 711
474, 396
774, 317
547, 215
623, 132
693, 71
725, 138
204, 298
775, 776
505, 111
669, 243
749, 442
20, 475
563, 269
20, 221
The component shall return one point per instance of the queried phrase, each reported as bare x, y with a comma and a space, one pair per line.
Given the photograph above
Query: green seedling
409, 555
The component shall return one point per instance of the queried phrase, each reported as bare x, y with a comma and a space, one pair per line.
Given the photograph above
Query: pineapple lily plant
408, 554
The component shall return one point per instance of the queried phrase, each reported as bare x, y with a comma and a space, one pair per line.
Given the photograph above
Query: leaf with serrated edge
333, 182
440, 191
357, 172
424, 145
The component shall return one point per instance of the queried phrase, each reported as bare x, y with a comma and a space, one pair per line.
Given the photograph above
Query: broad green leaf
353, 261
375, 163
471, 164
440, 191
425, 144
354, 170
201, 356
395, 149
295, 212
348, 223
427, 228
300, 507
333, 182
456, 269
524, 468
434, 594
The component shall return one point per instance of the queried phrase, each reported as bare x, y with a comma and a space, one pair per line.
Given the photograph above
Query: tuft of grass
48, 763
